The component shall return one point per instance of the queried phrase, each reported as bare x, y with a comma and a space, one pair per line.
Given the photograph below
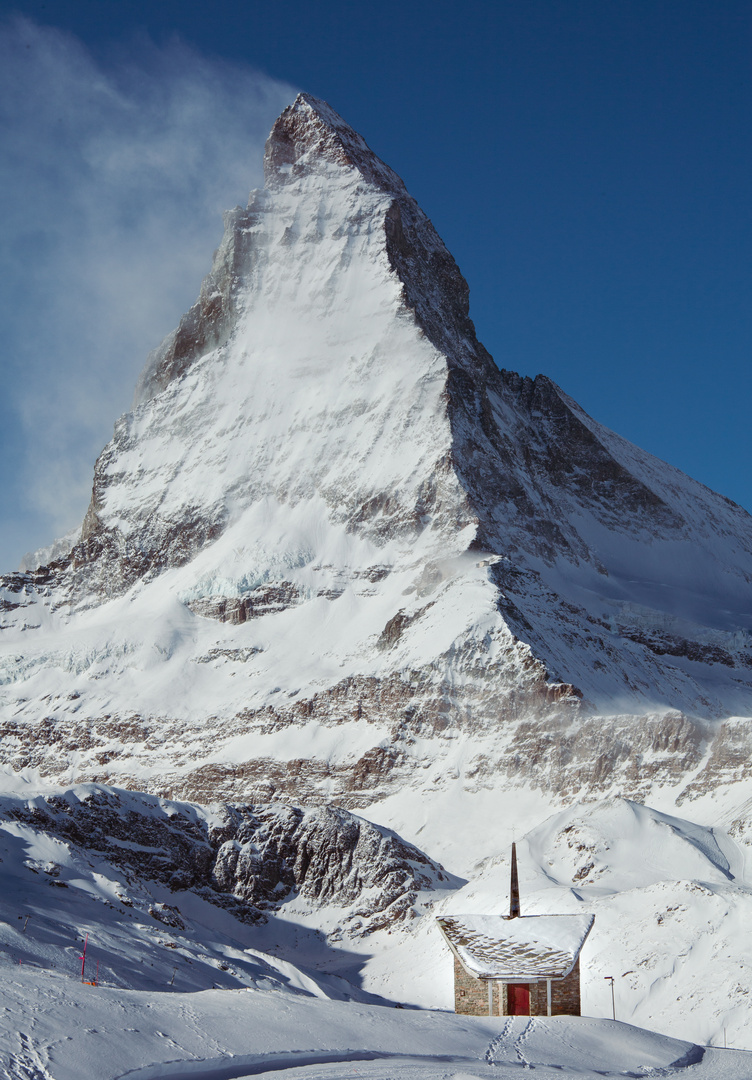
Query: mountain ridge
334, 545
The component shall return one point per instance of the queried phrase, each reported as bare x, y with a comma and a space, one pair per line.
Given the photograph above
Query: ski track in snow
60, 1030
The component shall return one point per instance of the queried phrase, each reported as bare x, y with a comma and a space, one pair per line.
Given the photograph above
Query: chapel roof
529, 947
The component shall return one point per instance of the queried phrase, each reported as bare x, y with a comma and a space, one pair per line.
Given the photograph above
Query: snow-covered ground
180, 978
52, 1028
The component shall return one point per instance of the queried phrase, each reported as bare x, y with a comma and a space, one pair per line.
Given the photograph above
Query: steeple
514, 888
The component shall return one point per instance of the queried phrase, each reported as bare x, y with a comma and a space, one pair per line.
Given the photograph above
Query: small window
462, 993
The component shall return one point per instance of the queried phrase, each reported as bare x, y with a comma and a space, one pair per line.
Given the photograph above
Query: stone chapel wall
471, 995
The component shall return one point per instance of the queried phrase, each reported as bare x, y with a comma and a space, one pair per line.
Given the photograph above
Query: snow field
54, 1029
672, 902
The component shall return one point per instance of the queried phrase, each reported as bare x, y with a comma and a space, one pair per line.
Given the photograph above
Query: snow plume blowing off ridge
334, 552
114, 179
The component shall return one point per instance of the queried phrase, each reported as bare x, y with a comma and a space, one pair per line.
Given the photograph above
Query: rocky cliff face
335, 549
250, 860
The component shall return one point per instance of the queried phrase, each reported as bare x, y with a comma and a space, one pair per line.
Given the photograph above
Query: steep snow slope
333, 546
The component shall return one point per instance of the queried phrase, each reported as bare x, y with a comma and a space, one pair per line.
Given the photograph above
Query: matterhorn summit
334, 551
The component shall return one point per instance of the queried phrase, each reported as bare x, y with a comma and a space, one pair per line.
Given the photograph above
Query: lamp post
610, 978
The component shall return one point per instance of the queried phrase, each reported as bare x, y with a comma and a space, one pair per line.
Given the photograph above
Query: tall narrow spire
514, 888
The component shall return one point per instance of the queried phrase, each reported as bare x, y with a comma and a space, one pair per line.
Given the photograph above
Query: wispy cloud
113, 184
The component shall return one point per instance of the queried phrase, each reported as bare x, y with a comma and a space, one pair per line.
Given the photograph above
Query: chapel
516, 965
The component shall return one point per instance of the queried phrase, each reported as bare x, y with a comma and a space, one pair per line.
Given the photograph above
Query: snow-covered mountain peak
310, 141
336, 559
332, 531
309, 135
313, 367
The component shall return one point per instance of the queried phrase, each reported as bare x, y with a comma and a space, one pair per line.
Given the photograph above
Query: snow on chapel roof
527, 947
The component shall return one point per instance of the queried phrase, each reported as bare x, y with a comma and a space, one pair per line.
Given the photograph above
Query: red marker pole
83, 958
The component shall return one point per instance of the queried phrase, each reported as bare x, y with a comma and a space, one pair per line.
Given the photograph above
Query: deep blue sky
588, 163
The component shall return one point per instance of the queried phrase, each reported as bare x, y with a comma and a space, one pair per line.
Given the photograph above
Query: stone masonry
471, 995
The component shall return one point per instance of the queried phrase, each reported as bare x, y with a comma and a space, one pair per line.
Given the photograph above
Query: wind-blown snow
329, 510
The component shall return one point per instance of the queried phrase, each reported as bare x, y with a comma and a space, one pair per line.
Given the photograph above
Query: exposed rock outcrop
248, 859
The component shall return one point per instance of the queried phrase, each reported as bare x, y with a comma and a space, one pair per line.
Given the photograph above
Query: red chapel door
518, 999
